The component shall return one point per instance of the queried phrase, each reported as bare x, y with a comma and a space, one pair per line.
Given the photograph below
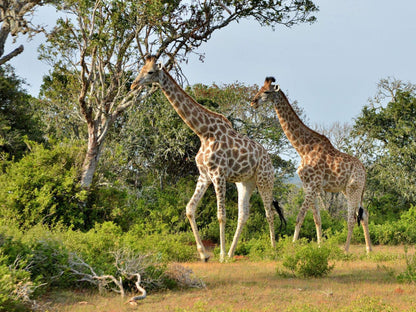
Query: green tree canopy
18, 116
387, 137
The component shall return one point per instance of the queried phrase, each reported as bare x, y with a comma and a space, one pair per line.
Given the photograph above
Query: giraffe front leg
318, 223
220, 188
245, 189
200, 190
309, 199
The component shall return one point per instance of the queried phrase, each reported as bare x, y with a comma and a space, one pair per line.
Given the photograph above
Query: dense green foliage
42, 188
12, 278
386, 137
19, 120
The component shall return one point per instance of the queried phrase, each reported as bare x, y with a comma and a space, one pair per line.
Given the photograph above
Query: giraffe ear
276, 88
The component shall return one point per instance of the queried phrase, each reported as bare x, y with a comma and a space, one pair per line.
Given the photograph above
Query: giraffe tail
279, 211
360, 215
361, 209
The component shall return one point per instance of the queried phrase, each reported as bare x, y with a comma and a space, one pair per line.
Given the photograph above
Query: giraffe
224, 155
322, 166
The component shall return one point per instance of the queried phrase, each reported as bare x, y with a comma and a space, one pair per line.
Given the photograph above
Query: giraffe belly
240, 178
238, 173
333, 186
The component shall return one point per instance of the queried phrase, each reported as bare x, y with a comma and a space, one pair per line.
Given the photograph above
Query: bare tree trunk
97, 132
91, 160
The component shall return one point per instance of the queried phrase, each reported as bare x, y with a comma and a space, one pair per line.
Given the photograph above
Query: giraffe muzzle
255, 103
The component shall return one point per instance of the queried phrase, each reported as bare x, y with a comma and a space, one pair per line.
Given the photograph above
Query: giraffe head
266, 93
149, 74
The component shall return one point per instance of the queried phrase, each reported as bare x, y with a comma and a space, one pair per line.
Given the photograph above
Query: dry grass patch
359, 284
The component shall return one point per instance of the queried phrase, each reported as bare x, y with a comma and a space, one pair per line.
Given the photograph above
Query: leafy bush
306, 259
394, 232
179, 247
42, 188
16, 286
50, 253
257, 248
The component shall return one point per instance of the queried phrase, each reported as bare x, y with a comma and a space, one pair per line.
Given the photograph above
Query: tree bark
97, 132
91, 158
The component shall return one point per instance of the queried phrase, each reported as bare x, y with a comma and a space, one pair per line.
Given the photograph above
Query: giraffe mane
196, 103
149, 57
323, 137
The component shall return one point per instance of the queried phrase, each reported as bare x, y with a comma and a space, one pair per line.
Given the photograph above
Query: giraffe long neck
296, 131
197, 117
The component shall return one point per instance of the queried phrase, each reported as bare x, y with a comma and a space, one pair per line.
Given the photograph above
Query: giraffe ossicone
224, 155
322, 166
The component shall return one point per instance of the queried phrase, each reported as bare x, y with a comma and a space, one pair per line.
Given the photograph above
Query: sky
331, 67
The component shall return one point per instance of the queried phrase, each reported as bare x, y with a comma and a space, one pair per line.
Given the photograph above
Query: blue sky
330, 67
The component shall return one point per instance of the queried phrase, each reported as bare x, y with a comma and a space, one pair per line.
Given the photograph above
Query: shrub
306, 259
16, 286
50, 252
179, 247
42, 188
394, 232
257, 248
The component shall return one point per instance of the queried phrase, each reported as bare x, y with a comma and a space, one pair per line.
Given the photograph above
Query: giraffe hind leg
356, 212
245, 189
366, 230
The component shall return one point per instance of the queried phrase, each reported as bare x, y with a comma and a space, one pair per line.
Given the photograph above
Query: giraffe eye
151, 72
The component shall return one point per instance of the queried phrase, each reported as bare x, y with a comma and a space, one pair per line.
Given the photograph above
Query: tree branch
11, 55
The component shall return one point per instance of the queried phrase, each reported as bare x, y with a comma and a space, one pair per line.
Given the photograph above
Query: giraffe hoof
205, 259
